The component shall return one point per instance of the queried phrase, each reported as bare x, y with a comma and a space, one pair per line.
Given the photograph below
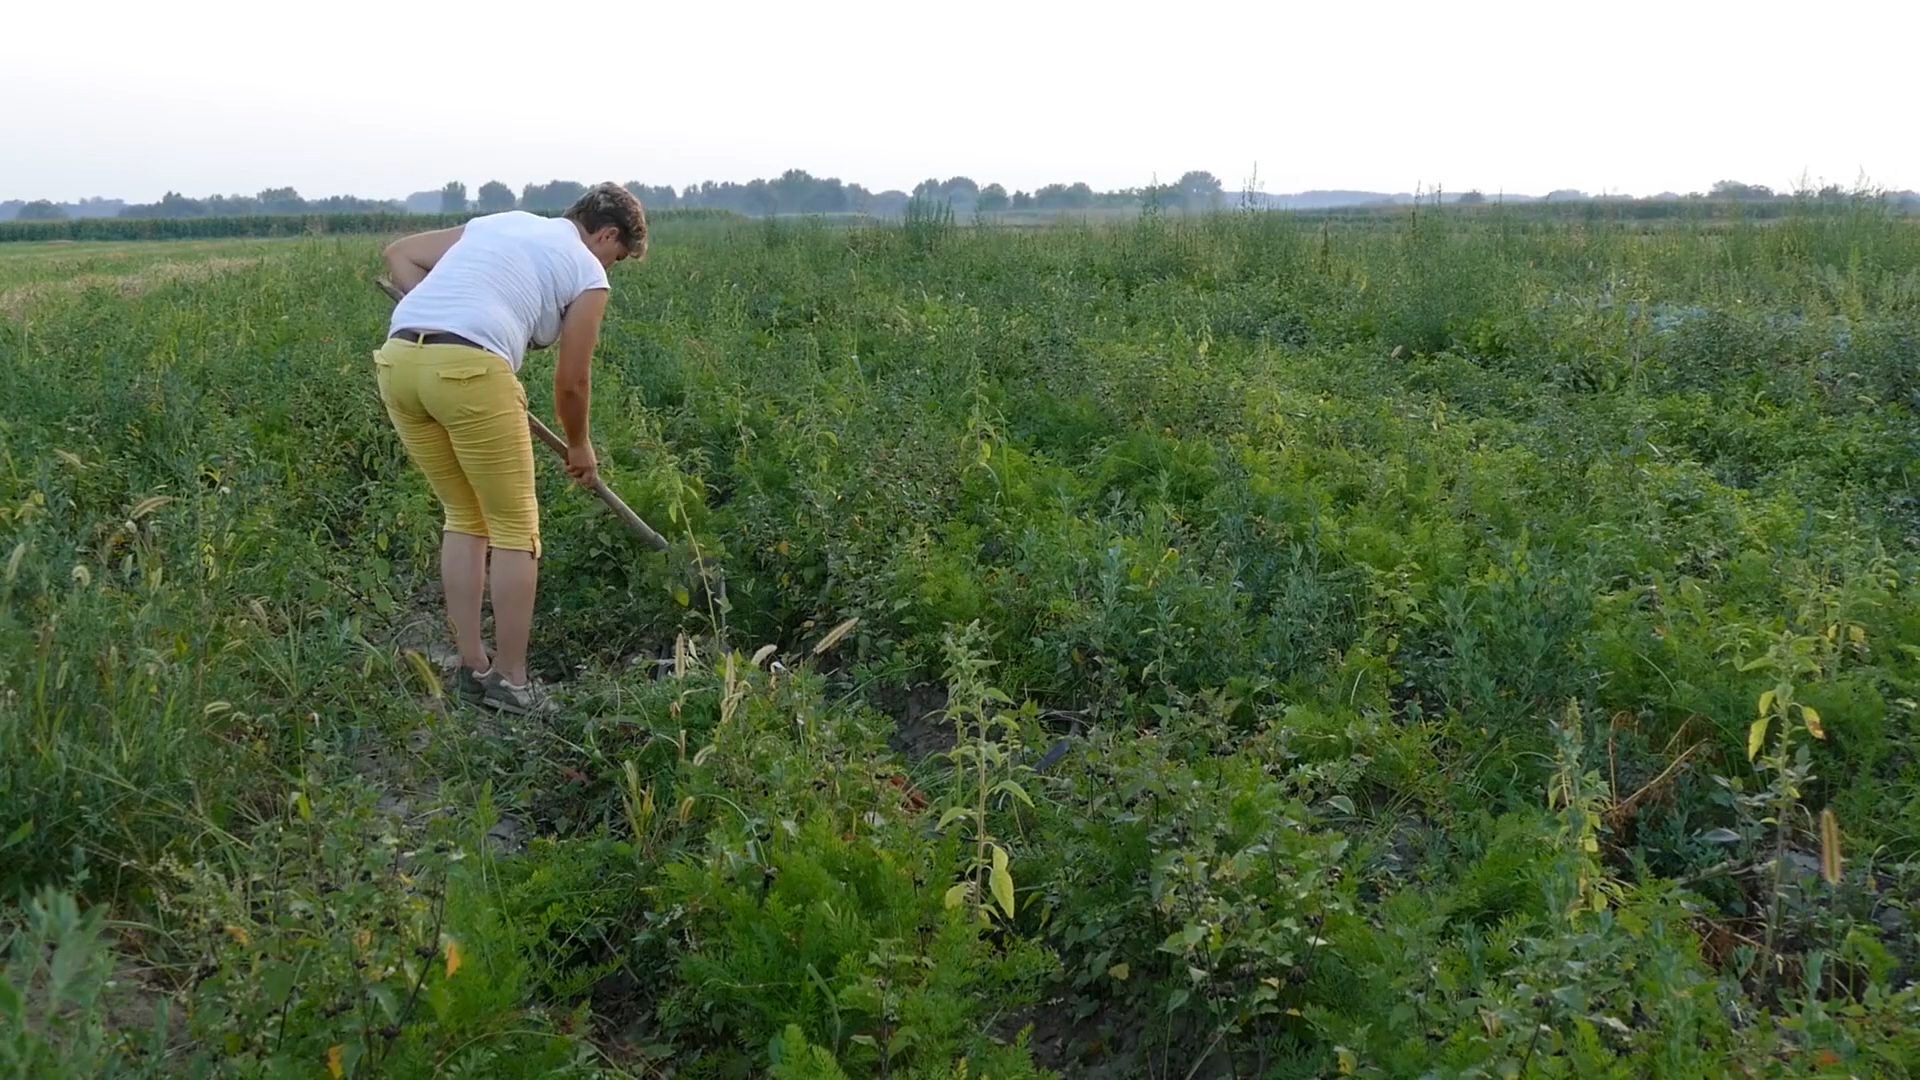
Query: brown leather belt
436, 337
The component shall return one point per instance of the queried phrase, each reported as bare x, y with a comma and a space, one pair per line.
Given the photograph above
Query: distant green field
80, 265
59, 254
1398, 645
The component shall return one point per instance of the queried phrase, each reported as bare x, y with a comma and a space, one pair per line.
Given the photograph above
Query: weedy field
1441, 645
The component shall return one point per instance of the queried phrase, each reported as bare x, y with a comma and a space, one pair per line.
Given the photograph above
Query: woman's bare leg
515, 575
463, 577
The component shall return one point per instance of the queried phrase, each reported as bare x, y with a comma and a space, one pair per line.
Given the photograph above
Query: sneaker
469, 685
498, 693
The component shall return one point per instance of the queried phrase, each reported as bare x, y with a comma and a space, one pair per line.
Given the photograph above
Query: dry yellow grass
18, 299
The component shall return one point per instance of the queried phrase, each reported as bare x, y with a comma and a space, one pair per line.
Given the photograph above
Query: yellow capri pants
461, 413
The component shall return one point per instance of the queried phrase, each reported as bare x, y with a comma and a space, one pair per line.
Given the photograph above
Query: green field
1428, 644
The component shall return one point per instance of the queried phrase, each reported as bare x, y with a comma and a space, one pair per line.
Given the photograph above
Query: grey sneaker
467, 685
528, 700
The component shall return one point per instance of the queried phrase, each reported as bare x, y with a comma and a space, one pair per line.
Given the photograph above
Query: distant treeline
282, 212
797, 191
266, 225
1652, 210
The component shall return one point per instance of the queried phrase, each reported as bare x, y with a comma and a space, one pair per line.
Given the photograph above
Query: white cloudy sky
383, 97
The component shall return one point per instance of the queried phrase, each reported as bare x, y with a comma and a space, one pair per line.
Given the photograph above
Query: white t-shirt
504, 284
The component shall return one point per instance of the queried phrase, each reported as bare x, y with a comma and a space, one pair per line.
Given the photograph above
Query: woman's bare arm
411, 257
572, 377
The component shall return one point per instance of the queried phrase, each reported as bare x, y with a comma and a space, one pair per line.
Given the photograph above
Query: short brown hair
607, 204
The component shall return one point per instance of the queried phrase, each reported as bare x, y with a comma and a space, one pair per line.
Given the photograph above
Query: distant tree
993, 197
760, 197
1063, 197
283, 200
830, 196
1022, 201
1473, 198
1199, 190
95, 206
1565, 195
653, 198
723, 196
889, 203
348, 204
1193, 191
961, 190
43, 210
1734, 189
800, 192
553, 195
958, 189
175, 205
453, 198
231, 205
495, 197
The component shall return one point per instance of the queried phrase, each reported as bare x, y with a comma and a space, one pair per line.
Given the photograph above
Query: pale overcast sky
129, 100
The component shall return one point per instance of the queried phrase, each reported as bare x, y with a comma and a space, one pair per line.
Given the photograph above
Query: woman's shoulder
581, 267
505, 219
